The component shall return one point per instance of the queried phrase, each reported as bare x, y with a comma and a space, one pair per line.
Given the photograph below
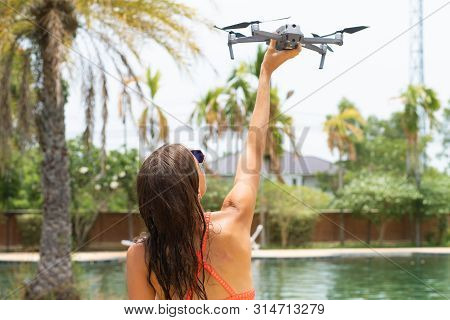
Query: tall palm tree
209, 112
417, 99
344, 130
58, 35
152, 123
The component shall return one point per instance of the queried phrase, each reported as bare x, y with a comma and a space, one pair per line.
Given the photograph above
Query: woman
189, 254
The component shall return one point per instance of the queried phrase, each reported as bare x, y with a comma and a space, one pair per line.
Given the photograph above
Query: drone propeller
347, 30
237, 34
317, 36
246, 24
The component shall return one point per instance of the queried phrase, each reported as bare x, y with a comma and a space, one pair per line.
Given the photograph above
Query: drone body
288, 37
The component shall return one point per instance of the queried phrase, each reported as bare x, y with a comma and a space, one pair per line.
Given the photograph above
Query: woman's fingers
272, 44
274, 58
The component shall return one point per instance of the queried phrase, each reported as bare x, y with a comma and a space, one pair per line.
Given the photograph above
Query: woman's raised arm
242, 198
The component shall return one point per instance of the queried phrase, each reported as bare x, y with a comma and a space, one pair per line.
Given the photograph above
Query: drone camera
291, 37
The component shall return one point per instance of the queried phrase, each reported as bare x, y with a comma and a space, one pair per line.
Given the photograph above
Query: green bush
217, 190
378, 197
30, 229
289, 220
291, 212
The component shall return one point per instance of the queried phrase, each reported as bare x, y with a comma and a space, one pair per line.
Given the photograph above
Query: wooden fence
112, 227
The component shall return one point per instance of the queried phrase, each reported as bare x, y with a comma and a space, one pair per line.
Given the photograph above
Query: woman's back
227, 258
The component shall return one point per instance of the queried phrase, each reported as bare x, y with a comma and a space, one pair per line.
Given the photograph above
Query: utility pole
416, 77
416, 73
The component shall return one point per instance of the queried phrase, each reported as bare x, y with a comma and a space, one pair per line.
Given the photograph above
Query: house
294, 170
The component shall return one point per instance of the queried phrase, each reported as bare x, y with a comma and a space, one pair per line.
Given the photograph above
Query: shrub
436, 202
292, 212
30, 229
378, 197
217, 190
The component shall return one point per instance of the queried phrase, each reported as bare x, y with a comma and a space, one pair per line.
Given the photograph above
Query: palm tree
152, 123
344, 130
209, 112
417, 99
52, 36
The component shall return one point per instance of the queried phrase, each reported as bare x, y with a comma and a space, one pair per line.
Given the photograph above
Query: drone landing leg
230, 47
322, 61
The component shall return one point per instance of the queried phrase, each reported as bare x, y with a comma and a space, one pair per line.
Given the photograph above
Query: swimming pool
426, 277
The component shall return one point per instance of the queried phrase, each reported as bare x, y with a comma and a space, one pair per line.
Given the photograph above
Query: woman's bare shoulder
138, 286
136, 254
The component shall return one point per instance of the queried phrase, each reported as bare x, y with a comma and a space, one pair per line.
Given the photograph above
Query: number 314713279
289, 308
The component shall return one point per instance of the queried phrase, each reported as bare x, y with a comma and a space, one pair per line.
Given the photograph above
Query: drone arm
267, 35
249, 39
313, 47
319, 40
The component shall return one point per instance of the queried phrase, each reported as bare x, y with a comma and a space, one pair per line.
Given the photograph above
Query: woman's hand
274, 58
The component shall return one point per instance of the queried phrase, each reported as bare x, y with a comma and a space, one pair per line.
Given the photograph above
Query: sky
371, 68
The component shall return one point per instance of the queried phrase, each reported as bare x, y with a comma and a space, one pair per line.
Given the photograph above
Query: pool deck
257, 254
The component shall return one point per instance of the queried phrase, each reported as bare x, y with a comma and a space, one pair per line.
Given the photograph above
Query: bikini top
232, 295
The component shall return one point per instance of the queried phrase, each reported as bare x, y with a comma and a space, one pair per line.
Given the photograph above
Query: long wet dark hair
167, 187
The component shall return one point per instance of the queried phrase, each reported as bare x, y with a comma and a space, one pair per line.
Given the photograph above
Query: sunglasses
198, 154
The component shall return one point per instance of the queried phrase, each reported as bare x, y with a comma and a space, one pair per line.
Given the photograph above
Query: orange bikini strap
219, 279
207, 266
205, 239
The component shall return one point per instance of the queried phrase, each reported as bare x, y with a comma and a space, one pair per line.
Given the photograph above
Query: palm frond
162, 126
89, 97
105, 98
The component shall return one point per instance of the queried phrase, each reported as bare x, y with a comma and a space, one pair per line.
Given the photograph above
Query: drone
288, 37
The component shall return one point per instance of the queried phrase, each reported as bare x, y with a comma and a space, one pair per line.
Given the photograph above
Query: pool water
414, 277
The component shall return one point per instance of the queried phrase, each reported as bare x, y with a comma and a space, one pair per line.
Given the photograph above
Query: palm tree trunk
341, 213
417, 177
54, 275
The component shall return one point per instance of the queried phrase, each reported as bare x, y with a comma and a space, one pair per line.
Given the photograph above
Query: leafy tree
20, 186
378, 197
383, 147
445, 132
434, 188
94, 191
45, 33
